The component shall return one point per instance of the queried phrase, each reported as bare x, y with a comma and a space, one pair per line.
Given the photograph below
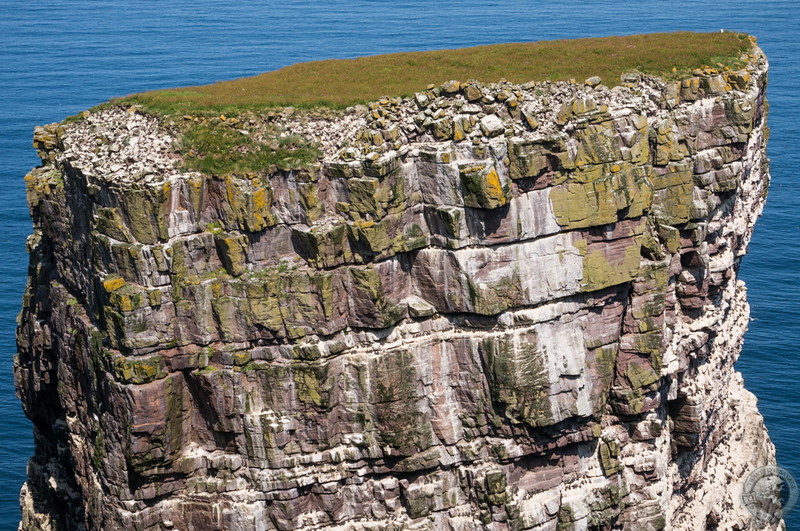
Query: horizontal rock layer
502, 306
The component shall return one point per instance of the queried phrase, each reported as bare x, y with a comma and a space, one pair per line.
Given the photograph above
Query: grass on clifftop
216, 149
211, 144
342, 82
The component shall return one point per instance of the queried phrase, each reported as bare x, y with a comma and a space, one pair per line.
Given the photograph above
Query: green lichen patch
641, 375
526, 159
249, 203
113, 283
602, 361
565, 518
518, 379
397, 416
139, 371
605, 506
99, 454
495, 484
371, 304
597, 143
673, 193
142, 210
390, 236
608, 264
306, 352
670, 237
482, 187
154, 297
491, 298
601, 194
627, 401
419, 505
309, 383
309, 199
232, 251
127, 297
109, 222
609, 458
41, 183
669, 146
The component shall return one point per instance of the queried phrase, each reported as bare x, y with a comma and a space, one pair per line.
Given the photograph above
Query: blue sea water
58, 57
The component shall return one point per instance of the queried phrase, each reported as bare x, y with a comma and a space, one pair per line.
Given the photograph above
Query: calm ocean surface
58, 57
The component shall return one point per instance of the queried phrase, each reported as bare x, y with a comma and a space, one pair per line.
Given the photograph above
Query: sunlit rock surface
484, 307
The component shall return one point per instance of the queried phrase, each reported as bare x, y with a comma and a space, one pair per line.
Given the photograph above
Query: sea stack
485, 306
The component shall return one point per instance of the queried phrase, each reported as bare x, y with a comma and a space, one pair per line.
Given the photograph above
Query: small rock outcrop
484, 307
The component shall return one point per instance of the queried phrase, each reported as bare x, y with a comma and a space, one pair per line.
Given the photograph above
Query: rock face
487, 306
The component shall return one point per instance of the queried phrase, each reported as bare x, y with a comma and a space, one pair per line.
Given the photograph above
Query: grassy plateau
211, 143
339, 83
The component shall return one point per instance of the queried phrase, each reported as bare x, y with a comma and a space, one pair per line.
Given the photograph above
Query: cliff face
503, 307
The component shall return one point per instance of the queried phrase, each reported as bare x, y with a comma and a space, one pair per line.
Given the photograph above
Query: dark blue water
58, 57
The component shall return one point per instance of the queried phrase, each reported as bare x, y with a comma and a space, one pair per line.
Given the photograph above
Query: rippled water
58, 57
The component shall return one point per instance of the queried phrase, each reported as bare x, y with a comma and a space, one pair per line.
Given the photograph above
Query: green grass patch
217, 148
341, 82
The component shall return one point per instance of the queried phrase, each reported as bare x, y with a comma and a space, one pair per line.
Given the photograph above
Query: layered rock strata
485, 307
